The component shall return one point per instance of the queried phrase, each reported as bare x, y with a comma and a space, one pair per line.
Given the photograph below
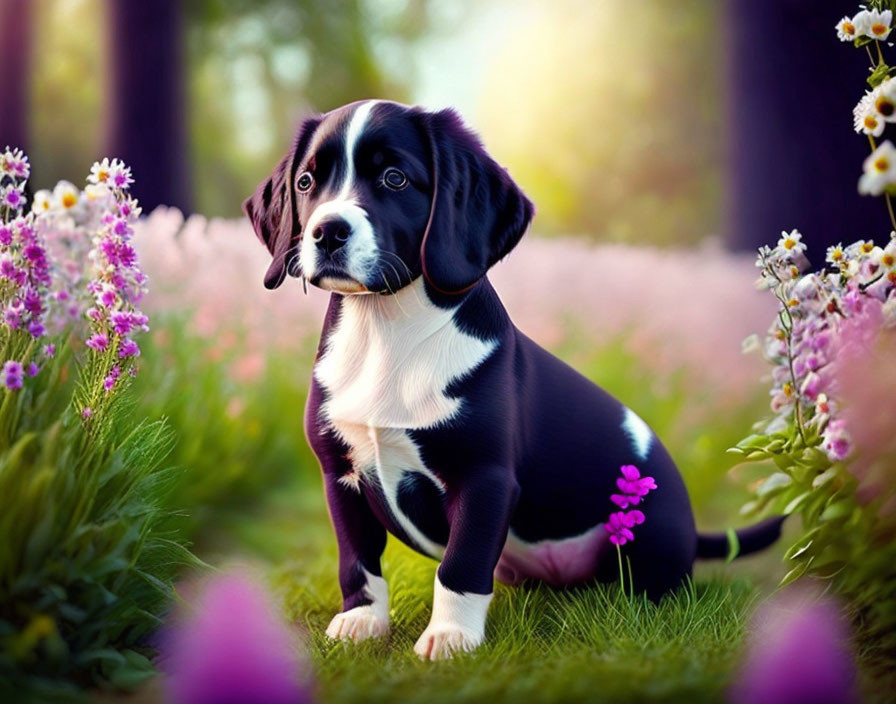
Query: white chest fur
385, 369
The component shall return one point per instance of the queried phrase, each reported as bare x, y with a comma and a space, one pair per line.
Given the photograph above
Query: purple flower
234, 648
111, 378
98, 341
799, 652
36, 329
12, 375
122, 322
32, 369
633, 487
50, 351
87, 412
128, 348
5, 234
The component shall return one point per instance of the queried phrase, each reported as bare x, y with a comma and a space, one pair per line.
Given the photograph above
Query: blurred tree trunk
147, 117
15, 59
794, 159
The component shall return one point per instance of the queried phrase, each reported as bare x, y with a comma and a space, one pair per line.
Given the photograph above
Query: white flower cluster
821, 313
873, 24
876, 108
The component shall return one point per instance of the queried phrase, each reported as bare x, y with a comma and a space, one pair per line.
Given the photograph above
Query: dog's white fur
385, 369
639, 433
457, 623
368, 621
361, 248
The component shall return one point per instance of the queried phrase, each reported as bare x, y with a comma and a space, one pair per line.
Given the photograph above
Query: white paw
443, 640
358, 624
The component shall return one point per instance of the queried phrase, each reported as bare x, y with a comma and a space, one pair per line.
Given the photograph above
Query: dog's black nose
331, 234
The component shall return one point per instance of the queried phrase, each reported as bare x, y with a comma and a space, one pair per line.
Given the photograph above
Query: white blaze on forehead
638, 432
361, 249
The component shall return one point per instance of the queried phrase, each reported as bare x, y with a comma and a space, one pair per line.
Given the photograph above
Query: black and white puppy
432, 416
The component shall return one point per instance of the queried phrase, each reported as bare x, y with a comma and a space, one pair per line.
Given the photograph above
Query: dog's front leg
464, 584
361, 539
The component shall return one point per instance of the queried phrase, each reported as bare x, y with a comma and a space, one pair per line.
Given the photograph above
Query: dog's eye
394, 178
304, 182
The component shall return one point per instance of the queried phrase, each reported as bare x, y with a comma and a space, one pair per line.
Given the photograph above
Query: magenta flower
12, 375
633, 486
799, 652
620, 524
50, 351
98, 341
86, 413
111, 378
235, 648
32, 369
128, 348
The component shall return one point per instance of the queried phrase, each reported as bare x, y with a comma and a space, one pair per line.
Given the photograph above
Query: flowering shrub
831, 347
86, 554
830, 324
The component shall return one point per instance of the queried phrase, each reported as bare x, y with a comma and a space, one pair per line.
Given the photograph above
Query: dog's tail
742, 542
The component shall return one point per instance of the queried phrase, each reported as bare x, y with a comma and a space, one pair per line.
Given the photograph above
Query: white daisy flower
862, 22
866, 118
879, 24
791, 243
112, 174
846, 30
835, 255
879, 170
66, 196
42, 202
884, 100
99, 172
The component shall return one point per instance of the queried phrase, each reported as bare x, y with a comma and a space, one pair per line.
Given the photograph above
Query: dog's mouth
330, 278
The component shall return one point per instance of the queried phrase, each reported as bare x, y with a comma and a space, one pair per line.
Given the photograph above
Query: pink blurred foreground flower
798, 654
234, 648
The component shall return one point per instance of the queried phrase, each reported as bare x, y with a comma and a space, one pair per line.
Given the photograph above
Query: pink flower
111, 378
87, 412
234, 648
836, 441
128, 348
98, 341
798, 652
12, 375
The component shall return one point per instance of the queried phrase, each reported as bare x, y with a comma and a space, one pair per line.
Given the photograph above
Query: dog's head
375, 194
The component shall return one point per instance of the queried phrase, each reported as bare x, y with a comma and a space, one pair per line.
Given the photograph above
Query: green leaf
837, 510
878, 75
824, 477
862, 41
733, 545
795, 502
794, 574
775, 482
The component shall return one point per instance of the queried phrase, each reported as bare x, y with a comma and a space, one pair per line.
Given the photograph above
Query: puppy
433, 417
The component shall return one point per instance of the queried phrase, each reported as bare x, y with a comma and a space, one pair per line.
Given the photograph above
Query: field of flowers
151, 420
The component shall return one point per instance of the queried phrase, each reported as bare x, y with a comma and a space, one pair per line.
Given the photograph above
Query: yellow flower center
882, 164
793, 302
789, 243
102, 175
888, 260
849, 28
837, 255
892, 277
69, 200
877, 29
787, 389
871, 122
884, 106
867, 247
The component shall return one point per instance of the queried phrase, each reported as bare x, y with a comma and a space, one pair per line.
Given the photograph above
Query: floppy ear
478, 214
271, 209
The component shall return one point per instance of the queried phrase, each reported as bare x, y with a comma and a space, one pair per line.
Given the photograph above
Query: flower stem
621, 573
890, 210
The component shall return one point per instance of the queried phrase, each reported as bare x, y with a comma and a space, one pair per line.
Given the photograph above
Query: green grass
588, 644
592, 643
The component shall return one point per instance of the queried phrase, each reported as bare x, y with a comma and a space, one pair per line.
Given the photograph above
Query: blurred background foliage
651, 173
